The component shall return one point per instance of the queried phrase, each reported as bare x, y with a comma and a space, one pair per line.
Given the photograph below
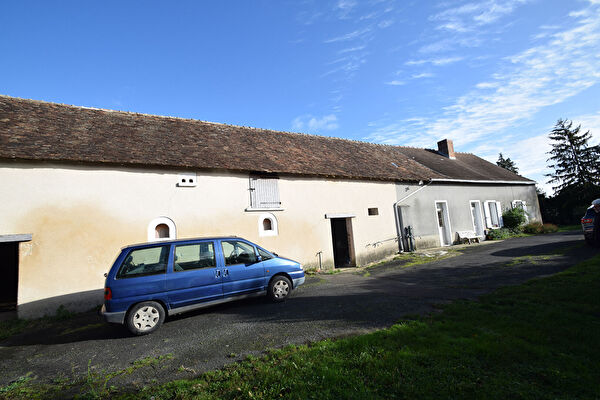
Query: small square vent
186, 180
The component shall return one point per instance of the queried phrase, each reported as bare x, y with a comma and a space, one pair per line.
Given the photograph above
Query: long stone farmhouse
77, 184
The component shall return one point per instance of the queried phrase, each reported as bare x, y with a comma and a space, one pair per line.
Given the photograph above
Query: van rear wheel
145, 318
279, 288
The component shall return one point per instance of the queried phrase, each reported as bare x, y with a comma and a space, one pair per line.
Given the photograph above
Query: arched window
161, 231
267, 225
161, 228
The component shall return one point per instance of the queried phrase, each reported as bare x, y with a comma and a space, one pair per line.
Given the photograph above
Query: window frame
225, 264
208, 242
254, 197
262, 232
489, 223
160, 221
165, 247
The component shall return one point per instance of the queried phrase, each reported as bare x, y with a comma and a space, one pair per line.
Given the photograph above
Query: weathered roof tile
36, 130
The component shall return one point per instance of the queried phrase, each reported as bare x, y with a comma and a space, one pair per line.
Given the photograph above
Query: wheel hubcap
146, 318
281, 289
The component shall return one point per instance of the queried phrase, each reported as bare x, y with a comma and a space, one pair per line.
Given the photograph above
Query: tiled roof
36, 130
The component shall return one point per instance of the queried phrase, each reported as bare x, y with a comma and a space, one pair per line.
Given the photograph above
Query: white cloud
395, 83
541, 76
423, 75
310, 123
435, 61
470, 16
589, 122
351, 49
490, 117
349, 36
386, 23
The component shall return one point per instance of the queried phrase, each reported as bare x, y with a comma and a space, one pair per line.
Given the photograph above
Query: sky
492, 75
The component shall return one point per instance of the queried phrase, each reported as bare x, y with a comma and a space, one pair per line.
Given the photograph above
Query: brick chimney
446, 148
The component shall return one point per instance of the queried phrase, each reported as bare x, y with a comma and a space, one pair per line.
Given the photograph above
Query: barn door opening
343, 242
9, 268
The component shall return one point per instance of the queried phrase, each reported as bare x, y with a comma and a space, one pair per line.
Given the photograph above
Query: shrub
549, 228
537, 228
533, 227
514, 218
497, 234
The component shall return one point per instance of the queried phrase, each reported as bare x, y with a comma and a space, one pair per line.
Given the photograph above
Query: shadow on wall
76, 302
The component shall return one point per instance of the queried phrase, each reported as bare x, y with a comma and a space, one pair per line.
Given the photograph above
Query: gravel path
326, 306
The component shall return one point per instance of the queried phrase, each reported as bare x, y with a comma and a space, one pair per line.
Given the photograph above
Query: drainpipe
396, 211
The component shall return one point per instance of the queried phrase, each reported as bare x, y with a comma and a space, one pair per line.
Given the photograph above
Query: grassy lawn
568, 228
534, 341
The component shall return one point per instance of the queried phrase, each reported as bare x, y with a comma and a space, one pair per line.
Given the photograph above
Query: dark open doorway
343, 242
9, 268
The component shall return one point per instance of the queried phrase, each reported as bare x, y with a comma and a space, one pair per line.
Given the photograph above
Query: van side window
147, 261
265, 256
194, 256
238, 252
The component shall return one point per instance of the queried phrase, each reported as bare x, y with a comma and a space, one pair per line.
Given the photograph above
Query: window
161, 231
267, 225
264, 193
521, 204
142, 262
194, 256
493, 214
161, 228
373, 211
238, 252
263, 254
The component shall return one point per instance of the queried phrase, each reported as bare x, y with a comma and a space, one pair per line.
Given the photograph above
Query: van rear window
146, 261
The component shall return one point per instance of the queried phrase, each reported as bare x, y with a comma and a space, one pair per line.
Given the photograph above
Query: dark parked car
587, 223
152, 280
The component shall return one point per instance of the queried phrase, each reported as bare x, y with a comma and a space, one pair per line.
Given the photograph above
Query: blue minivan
149, 281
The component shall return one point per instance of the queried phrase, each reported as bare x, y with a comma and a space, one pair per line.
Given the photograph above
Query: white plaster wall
420, 210
80, 217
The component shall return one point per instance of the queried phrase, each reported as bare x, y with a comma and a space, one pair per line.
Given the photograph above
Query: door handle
218, 273
225, 272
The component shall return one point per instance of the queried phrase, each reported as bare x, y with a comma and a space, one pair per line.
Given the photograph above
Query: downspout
398, 217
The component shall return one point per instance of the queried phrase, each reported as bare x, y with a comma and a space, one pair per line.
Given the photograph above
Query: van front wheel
145, 318
279, 288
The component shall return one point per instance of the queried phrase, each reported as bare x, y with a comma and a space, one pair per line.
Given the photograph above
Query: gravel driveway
326, 306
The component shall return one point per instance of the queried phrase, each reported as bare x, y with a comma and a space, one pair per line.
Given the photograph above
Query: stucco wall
419, 211
81, 216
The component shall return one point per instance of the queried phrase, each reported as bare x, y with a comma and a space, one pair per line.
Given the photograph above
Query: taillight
107, 293
586, 220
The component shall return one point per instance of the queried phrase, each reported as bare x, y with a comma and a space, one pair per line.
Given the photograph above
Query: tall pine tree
507, 163
575, 164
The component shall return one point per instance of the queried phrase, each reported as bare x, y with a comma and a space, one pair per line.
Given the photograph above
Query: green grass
568, 228
534, 341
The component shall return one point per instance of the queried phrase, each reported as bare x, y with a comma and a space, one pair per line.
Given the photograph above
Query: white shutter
499, 211
486, 211
264, 193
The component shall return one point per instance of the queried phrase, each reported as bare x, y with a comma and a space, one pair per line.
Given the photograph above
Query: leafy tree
507, 163
575, 164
